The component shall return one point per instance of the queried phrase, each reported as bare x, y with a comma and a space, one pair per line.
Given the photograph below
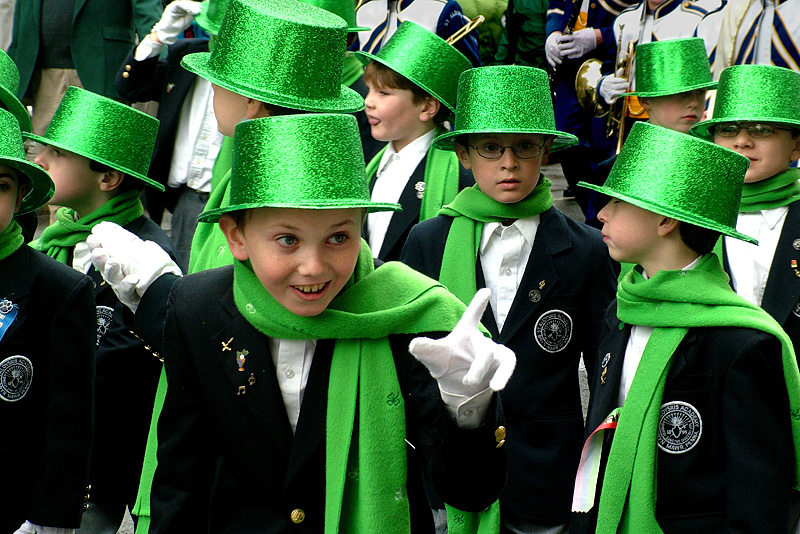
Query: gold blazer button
298, 516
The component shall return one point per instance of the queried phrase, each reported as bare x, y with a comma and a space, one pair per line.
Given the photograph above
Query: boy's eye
4, 186
287, 240
337, 239
491, 148
525, 145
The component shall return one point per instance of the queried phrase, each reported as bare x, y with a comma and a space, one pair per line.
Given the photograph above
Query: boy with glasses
551, 280
752, 119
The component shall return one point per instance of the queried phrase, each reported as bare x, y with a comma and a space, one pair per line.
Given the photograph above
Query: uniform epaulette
694, 7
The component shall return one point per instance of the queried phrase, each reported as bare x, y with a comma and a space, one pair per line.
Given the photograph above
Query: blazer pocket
113, 33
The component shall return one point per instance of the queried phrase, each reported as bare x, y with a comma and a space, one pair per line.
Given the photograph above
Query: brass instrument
464, 30
586, 87
619, 110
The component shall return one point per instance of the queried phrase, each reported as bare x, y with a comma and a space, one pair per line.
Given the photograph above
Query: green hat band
104, 130
298, 161
285, 53
211, 14
9, 84
342, 8
505, 99
679, 176
425, 59
755, 93
12, 154
671, 67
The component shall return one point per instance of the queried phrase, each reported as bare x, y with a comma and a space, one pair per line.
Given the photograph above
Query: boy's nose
40, 161
311, 264
743, 138
508, 160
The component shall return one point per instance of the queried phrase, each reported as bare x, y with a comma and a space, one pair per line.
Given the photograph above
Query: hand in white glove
128, 264
177, 16
466, 362
611, 87
29, 528
578, 44
551, 49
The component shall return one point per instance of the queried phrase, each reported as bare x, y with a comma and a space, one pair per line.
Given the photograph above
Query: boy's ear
111, 180
794, 155
429, 109
235, 236
645, 102
546, 150
667, 225
21, 190
463, 154
255, 109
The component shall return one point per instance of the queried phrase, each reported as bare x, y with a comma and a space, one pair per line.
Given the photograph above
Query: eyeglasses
523, 150
758, 131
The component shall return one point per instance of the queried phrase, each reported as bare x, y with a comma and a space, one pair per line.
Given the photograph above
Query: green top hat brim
673, 91
85, 153
425, 87
348, 101
16, 108
203, 20
562, 139
40, 183
215, 214
702, 129
667, 211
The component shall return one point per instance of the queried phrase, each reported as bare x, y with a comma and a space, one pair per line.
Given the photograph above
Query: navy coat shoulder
229, 463
46, 390
556, 315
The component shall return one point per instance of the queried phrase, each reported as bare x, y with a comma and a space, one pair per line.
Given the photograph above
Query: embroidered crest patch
679, 427
796, 309
16, 375
104, 321
553, 330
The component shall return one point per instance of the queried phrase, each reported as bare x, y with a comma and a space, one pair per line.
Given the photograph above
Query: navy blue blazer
556, 315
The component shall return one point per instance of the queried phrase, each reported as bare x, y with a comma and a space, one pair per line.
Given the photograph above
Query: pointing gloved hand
128, 264
177, 16
551, 49
578, 44
466, 362
611, 87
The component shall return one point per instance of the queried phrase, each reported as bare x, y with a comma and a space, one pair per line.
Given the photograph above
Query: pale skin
11, 195
232, 108
768, 156
77, 185
677, 112
395, 117
638, 236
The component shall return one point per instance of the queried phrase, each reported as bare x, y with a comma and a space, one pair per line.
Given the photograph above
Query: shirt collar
527, 227
416, 148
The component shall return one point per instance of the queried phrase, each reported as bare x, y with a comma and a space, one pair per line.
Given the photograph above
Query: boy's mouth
372, 120
311, 292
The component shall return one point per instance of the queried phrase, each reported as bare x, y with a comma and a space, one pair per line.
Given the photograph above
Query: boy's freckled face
509, 178
393, 115
677, 112
302, 257
10, 195
768, 155
629, 231
229, 109
74, 180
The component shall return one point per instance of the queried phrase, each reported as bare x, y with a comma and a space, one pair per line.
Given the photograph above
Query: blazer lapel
403, 220
540, 275
611, 356
783, 284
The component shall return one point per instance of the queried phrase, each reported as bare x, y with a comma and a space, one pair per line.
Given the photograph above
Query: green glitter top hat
282, 52
104, 130
211, 14
679, 176
671, 67
425, 59
505, 99
312, 161
12, 154
9, 83
343, 8
755, 93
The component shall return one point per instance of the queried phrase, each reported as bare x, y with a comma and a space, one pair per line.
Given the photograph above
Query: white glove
128, 264
466, 362
177, 16
578, 44
611, 87
29, 528
551, 49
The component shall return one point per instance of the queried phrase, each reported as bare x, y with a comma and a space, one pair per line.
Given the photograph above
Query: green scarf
10, 239
441, 178
780, 190
470, 209
366, 417
352, 69
223, 162
672, 302
58, 239
209, 246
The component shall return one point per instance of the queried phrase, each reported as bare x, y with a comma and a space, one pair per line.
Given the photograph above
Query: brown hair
382, 76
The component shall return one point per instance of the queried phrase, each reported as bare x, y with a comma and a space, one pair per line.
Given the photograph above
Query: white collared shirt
637, 342
504, 255
749, 264
292, 359
393, 173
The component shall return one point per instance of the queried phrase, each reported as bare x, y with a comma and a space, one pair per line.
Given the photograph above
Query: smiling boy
550, 277
751, 119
